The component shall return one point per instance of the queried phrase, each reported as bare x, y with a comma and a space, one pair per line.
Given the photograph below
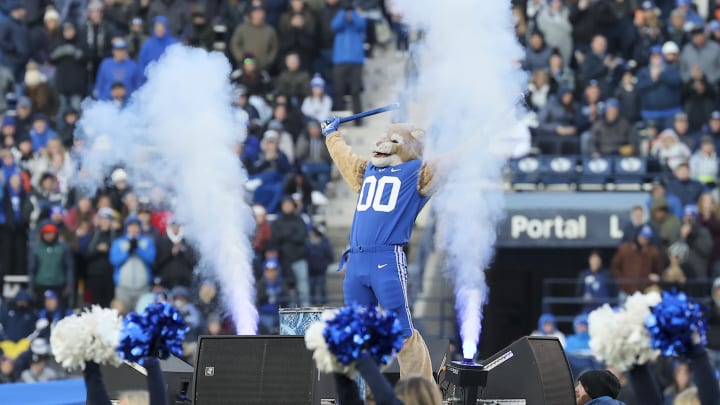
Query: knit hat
51, 14
317, 81
49, 228
132, 219
600, 383
646, 232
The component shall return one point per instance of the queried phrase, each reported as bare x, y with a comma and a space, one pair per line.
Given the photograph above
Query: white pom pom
91, 336
68, 340
619, 337
104, 325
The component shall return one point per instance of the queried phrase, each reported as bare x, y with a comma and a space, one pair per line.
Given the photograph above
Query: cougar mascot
393, 187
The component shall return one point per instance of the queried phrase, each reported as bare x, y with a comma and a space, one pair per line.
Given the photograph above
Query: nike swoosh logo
382, 266
393, 170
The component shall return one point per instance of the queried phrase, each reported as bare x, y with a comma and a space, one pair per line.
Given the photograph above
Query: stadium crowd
294, 61
607, 78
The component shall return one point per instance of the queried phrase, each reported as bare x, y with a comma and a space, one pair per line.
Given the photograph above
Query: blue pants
379, 275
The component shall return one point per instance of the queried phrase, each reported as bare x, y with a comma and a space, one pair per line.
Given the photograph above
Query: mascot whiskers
393, 186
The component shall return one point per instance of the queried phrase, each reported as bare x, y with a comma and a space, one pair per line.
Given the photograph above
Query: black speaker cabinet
259, 370
131, 376
531, 368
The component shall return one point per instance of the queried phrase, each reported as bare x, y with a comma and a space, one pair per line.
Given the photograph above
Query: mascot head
398, 145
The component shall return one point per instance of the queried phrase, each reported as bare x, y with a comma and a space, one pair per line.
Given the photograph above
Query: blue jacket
40, 139
120, 253
605, 401
664, 94
17, 324
112, 71
155, 46
14, 44
349, 38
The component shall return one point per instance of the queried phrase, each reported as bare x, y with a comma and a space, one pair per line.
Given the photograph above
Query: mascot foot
414, 358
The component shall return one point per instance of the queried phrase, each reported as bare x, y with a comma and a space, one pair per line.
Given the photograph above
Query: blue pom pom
158, 332
358, 331
673, 322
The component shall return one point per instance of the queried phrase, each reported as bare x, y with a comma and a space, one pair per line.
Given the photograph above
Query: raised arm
427, 181
351, 166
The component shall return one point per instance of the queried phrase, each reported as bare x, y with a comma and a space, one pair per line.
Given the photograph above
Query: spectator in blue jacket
348, 57
118, 68
686, 189
595, 284
17, 319
52, 312
271, 293
41, 133
15, 41
156, 45
660, 88
132, 256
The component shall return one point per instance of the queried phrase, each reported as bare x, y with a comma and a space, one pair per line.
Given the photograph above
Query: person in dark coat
175, 260
289, 235
16, 211
319, 257
681, 185
202, 34
699, 243
595, 65
700, 98
537, 54
293, 82
589, 18
660, 89
15, 41
97, 35
561, 115
99, 277
637, 264
612, 135
628, 96
298, 36
597, 387
69, 59
17, 317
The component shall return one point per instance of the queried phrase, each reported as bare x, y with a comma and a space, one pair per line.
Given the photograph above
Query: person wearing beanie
318, 104
118, 68
597, 387
132, 256
612, 135
52, 267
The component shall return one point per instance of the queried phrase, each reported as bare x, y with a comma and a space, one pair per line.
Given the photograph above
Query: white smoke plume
179, 132
468, 89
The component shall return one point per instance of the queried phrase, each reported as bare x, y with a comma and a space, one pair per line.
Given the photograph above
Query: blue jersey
388, 203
